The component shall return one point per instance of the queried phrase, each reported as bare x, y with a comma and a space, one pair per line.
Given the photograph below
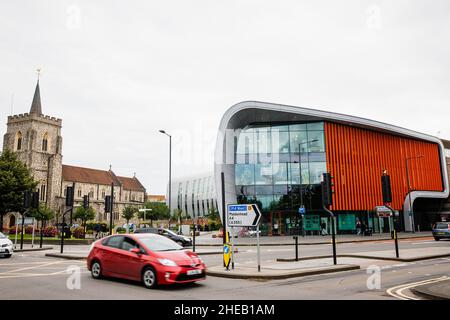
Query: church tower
37, 141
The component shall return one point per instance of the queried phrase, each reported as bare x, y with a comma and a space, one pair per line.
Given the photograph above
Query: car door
129, 263
111, 251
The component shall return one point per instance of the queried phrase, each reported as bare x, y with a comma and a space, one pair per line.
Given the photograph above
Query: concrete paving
208, 240
434, 291
280, 270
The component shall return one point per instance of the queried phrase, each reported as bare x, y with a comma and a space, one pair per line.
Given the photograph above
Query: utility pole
327, 201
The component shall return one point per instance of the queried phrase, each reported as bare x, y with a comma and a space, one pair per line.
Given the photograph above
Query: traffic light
27, 199
85, 202
69, 196
327, 189
35, 200
386, 188
107, 203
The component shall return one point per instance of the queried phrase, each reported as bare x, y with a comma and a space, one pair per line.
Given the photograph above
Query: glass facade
273, 160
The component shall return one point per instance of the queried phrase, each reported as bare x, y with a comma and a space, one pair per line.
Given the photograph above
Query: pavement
28, 247
207, 239
406, 255
435, 291
279, 270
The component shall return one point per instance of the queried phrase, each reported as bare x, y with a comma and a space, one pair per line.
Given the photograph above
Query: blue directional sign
243, 215
302, 210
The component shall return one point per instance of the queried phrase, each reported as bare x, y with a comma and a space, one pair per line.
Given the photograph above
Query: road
31, 275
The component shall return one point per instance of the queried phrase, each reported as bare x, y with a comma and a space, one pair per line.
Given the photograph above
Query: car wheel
437, 239
96, 270
8, 255
149, 278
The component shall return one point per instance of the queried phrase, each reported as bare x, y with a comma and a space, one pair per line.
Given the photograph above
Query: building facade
275, 156
37, 141
195, 196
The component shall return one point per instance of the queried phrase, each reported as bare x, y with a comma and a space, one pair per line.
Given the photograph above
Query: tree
159, 210
15, 178
84, 214
43, 215
213, 217
128, 213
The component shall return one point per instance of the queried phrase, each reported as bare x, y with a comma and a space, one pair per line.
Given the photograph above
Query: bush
50, 231
121, 230
29, 230
13, 230
78, 233
104, 227
6, 230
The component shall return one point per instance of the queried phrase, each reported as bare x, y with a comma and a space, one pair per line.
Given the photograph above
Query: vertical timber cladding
356, 158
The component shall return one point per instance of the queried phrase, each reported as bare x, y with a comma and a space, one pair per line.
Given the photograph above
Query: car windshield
170, 232
160, 244
2, 236
441, 225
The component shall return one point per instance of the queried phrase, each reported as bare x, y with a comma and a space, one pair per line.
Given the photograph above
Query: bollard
296, 247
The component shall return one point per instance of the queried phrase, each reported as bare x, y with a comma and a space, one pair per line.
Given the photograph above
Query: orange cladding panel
357, 157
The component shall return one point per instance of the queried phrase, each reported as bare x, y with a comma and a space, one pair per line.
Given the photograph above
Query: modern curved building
194, 195
274, 155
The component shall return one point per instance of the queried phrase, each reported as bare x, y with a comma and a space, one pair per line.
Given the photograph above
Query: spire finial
36, 104
110, 167
38, 71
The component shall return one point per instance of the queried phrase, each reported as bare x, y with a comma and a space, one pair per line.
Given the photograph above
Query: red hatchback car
150, 258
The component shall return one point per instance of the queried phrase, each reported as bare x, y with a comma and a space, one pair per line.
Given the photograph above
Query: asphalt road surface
31, 275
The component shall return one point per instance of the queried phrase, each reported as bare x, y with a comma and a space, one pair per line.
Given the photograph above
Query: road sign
302, 210
383, 211
243, 215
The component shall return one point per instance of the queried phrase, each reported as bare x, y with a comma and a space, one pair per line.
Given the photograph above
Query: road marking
34, 267
397, 292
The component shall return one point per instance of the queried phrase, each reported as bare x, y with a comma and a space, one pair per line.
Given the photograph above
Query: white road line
397, 292
34, 267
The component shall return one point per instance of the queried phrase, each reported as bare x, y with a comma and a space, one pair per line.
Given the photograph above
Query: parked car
441, 230
150, 258
181, 240
6, 246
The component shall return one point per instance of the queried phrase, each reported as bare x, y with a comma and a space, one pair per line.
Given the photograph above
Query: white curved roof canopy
247, 112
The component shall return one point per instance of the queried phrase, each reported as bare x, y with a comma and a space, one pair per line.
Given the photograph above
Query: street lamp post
144, 211
411, 209
300, 174
170, 170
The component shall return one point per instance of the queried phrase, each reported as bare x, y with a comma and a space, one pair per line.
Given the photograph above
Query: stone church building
37, 141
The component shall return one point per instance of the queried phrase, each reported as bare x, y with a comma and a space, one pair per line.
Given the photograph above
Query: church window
19, 141
43, 192
79, 193
103, 194
45, 142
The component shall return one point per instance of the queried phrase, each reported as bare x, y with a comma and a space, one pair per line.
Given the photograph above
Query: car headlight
167, 263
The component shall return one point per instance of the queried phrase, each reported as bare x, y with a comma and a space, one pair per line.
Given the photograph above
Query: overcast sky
117, 71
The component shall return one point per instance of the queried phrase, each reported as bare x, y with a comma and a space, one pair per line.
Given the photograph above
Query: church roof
95, 176
36, 104
132, 184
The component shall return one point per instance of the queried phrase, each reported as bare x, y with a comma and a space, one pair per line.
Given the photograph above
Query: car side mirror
136, 250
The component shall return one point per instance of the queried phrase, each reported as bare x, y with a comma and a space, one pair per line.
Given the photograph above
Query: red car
150, 258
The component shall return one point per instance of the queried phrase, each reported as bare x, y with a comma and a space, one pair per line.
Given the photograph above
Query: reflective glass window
280, 173
263, 190
263, 142
244, 174
280, 141
263, 174
298, 140
245, 142
315, 126
318, 144
265, 201
297, 127
316, 171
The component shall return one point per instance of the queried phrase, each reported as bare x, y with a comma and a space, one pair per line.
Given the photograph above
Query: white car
6, 246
